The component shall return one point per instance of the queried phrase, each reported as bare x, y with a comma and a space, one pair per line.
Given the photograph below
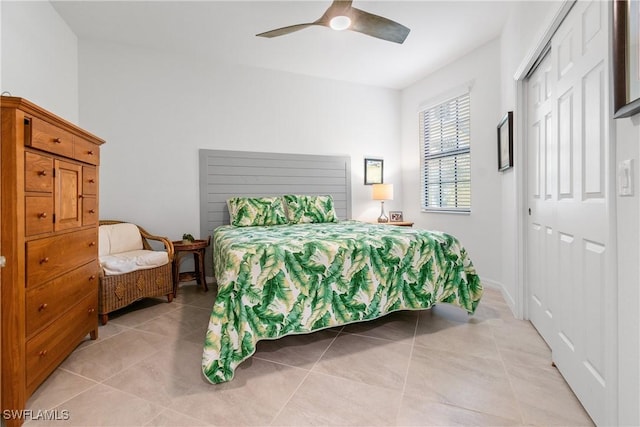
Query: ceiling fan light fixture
340, 22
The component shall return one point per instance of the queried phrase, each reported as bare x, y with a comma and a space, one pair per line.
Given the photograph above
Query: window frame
450, 154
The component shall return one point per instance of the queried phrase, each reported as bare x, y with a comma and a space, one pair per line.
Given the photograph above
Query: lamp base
382, 217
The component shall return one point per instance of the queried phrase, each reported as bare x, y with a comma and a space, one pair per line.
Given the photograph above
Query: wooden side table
197, 248
396, 223
400, 223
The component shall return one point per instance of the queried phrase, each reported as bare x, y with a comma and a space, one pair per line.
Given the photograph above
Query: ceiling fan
342, 16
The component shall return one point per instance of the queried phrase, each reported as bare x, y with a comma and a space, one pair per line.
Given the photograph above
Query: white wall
40, 57
156, 110
526, 23
480, 232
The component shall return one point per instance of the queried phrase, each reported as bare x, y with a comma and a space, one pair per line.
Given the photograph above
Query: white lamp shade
382, 191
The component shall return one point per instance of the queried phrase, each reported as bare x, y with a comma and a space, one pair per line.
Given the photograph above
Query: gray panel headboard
225, 174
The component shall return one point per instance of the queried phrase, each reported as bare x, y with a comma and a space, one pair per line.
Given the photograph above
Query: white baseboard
508, 298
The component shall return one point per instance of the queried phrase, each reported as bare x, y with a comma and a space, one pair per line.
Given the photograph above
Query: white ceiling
441, 31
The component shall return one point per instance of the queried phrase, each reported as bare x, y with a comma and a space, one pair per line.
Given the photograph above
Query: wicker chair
119, 290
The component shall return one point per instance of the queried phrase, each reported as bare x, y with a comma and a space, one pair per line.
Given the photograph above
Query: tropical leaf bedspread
291, 279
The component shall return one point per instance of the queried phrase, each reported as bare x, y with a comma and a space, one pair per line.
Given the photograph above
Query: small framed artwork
373, 171
505, 142
626, 58
395, 216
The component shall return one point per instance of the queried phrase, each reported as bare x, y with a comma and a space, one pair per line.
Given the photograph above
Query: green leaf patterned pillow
306, 209
251, 211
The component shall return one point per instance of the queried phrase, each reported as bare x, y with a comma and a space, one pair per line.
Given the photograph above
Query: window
446, 156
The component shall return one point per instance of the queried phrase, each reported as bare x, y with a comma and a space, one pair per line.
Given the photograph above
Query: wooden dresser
49, 232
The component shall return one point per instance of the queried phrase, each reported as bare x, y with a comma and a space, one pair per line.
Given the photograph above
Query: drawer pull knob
92, 310
44, 260
42, 173
42, 353
91, 181
92, 277
42, 306
91, 211
90, 153
92, 244
42, 215
57, 140
80, 196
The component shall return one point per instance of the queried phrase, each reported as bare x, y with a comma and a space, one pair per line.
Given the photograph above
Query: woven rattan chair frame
118, 291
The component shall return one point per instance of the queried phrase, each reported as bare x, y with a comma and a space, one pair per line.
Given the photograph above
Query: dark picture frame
373, 171
505, 142
626, 58
396, 216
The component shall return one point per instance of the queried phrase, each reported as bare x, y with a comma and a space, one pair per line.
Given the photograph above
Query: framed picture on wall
373, 171
626, 58
505, 142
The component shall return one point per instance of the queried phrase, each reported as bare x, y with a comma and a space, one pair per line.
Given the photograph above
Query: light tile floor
437, 367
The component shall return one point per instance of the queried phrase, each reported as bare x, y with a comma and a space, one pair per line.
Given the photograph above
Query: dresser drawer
50, 346
45, 303
89, 210
86, 151
38, 214
89, 180
52, 256
38, 173
50, 138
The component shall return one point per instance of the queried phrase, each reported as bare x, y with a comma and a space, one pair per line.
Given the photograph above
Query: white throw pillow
123, 237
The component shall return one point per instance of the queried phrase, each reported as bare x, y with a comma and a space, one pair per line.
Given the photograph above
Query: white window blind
446, 156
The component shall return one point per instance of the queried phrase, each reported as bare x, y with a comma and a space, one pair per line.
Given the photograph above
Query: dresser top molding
31, 108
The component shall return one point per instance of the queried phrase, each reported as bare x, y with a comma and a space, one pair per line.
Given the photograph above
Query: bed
278, 277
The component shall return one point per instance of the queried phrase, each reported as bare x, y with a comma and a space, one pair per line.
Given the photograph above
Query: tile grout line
293, 393
95, 384
406, 374
121, 370
504, 366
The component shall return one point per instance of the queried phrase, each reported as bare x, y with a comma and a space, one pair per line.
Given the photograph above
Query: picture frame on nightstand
396, 216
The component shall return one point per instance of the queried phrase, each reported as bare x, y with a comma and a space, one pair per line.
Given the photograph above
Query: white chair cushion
104, 245
117, 238
126, 262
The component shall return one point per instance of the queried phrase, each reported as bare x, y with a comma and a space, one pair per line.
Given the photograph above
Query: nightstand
398, 223
197, 248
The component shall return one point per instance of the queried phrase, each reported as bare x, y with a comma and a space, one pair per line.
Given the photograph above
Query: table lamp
382, 192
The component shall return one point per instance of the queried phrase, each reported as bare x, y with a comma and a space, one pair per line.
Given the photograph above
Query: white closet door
568, 228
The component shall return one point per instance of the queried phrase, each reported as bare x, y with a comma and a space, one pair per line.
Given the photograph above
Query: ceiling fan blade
377, 26
285, 30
